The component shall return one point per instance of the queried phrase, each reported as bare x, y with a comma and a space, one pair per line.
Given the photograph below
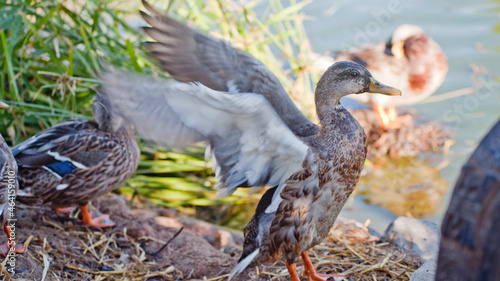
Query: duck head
427, 62
104, 116
344, 78
401, 38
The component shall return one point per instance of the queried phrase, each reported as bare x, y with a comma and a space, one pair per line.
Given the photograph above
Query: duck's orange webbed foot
100, 221
311, 273
401, 119
5, 247
292, 270
387, 119
65, 210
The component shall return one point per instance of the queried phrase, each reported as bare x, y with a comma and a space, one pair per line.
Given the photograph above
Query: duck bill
379, 88
3, 105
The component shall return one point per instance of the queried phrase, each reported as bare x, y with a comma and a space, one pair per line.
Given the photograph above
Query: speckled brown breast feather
313, 197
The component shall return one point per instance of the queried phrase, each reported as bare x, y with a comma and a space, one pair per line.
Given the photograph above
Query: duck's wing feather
250, 144
71, 144
7, 162
295, 203
190, 56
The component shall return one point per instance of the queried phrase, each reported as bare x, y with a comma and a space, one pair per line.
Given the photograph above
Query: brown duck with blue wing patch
77, 161
8, 189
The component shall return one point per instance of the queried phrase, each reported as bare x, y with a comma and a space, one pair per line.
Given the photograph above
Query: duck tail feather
224, 191
243, 264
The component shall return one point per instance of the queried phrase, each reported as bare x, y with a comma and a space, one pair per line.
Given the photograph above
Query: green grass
49, 54
51, 50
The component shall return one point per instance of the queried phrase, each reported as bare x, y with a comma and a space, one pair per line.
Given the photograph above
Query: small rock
140, 231
425, 272
123, 242
168, 222
223, 239
113, 204
420, 236
169, 212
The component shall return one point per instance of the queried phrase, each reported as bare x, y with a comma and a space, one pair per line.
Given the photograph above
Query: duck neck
329, 117
327, 107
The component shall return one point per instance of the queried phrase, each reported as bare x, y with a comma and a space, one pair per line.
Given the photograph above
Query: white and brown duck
410, 61
256, 135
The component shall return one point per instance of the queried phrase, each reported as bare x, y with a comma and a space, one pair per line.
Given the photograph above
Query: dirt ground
60, 247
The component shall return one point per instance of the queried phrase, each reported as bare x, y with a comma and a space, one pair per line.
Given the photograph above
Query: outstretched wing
250, 143
189, 56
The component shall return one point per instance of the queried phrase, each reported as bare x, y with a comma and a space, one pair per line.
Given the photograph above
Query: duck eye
354, 74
